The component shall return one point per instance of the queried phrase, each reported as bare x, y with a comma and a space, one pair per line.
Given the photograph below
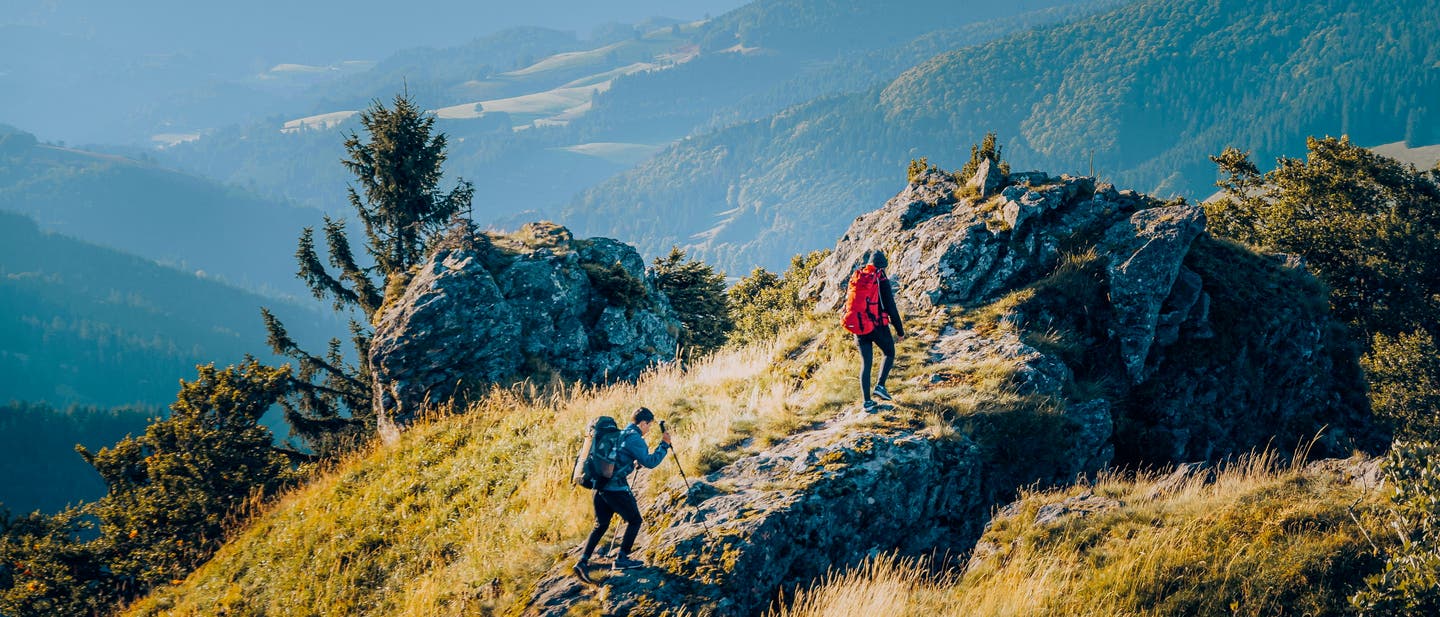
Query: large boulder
491, 308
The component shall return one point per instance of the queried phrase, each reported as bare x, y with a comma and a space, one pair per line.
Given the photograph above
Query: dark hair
877, 257
643, 415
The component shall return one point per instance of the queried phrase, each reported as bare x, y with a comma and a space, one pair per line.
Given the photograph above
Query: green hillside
42, 470
162, 215
697, 77
423, 526
90, 325
1149, 90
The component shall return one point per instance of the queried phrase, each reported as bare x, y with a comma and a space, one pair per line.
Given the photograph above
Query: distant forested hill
166, 216
1149, 90
82, 324
42, 471
528, 155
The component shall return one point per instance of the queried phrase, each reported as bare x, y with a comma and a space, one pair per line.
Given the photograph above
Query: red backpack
862, 306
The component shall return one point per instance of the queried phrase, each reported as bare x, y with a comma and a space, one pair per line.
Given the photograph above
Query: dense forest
94, 327
42, 471
1139, 96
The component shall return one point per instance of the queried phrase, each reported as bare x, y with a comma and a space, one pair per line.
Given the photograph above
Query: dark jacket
887, 301
633, 450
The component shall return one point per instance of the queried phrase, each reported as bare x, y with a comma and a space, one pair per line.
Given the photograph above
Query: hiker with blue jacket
615, 497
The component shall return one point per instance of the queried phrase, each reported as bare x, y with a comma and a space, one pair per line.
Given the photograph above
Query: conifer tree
697, 292
397, 168
172, 491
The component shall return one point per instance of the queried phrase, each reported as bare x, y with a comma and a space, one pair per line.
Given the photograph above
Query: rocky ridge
1126, 333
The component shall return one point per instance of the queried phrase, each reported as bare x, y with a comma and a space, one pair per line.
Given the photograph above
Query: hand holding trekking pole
688, 489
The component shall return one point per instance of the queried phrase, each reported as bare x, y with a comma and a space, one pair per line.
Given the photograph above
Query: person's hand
665, 437
900, 336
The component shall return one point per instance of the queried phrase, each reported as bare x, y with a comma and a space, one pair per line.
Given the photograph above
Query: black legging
879, 336
607, 504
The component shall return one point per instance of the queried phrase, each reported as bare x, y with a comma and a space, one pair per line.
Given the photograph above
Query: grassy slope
422, 527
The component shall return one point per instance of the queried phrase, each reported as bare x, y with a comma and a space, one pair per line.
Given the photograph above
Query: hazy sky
325, 30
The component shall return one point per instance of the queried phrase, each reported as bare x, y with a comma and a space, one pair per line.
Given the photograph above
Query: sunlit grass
1256, 538
423, 526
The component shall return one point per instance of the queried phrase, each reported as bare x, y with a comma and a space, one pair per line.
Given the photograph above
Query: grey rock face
1219, 350
430, 329
499, 308
946, 252
1145, 254
987, 178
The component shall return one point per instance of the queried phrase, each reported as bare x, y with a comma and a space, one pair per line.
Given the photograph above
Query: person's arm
635, 446
887, 297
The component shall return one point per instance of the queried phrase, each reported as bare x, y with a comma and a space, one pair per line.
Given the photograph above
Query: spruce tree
697, 293
397, 167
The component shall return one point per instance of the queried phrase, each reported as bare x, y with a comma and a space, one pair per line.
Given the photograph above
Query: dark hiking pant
608, 504
881, 338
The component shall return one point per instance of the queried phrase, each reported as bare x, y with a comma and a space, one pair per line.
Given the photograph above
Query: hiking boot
581, 571
871, 406
882, 394
624, 562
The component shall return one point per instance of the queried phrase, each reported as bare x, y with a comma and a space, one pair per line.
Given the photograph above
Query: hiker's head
643, 418
877, 257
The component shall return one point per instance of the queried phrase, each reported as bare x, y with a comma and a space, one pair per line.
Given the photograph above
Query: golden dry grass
424, 525
1260, 539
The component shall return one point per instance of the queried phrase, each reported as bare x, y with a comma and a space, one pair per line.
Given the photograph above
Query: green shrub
1410, 583
46, 569
173, 492
1365, 224
614, 283
1404, 375
763, 303
986, 149
919, 169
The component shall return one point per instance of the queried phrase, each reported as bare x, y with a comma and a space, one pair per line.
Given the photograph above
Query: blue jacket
633, 450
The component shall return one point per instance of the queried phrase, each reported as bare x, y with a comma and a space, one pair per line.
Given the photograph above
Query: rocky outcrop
490, 308
817, 501
1145, 253
956, 251
1122, 332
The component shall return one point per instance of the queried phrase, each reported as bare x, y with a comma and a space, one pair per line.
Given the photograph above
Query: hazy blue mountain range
1149, 90
83, 324
86, 330
136, 206
540, 137
90, 71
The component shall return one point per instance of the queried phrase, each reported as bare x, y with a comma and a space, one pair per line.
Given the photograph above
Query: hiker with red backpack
869, 312
616, 457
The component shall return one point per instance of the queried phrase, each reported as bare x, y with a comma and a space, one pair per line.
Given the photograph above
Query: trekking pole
698, 515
